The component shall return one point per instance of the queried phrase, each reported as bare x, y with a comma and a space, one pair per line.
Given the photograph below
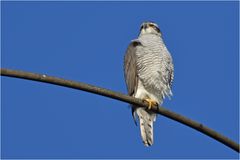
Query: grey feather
149, 73
130, 71
154, 65
146, 120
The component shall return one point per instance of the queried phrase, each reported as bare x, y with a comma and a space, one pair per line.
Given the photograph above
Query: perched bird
148, 71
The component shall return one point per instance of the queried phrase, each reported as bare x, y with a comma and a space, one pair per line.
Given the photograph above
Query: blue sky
86, 41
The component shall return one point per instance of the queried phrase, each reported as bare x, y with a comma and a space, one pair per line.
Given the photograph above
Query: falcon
148, 71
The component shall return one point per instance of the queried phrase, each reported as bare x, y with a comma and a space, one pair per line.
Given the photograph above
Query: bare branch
114, 95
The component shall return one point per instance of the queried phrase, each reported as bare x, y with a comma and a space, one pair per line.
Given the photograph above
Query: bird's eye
151, 25
155, 27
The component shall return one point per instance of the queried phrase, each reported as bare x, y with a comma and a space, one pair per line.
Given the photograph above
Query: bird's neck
151, 36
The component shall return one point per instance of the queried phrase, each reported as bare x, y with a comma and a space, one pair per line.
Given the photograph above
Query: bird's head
150, 28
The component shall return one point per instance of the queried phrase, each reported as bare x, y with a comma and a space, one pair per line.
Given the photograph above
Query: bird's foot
150, 102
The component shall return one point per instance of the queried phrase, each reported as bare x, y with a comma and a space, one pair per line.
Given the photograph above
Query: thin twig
115, 95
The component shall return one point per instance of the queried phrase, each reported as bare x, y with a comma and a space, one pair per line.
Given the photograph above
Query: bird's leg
150, 102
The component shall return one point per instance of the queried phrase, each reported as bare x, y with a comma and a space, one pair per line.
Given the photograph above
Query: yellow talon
150, 103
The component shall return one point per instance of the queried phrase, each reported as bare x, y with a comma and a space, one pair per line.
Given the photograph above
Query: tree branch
114, 95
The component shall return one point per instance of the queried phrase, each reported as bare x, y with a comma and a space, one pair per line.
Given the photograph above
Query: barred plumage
148, 72
154, 65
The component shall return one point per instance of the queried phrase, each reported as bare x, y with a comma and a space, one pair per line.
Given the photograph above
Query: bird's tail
146, 120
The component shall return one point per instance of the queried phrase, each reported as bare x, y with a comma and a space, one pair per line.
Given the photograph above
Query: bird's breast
151, 64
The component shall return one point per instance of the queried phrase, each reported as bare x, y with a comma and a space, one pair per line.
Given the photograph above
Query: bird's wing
130, 67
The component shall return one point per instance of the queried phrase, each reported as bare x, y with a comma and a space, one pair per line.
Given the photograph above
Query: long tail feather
146, 120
